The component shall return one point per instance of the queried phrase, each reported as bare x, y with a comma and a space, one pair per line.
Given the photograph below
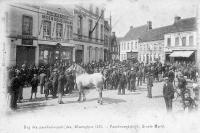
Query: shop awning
181, 54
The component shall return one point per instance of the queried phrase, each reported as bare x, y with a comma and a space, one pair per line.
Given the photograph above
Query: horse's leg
79, 93
79, 96
100, 99
84, 98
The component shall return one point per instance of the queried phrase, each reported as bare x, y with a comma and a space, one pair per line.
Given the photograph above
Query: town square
95, 62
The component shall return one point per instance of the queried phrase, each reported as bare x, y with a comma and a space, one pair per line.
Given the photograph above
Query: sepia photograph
108, 66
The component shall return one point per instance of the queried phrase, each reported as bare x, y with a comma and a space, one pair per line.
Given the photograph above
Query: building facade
151, 45
180, 44
21, 34
129, 44
50, 34
88, 33
151, 51
55, 34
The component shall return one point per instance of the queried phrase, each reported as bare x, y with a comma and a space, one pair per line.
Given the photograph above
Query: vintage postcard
100, 66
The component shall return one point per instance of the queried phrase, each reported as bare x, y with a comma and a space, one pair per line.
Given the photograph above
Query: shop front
55, 54
183, 56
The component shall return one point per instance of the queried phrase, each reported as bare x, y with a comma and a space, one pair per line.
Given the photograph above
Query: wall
127, 46
180, 35
95, 55
14, 20
155, 49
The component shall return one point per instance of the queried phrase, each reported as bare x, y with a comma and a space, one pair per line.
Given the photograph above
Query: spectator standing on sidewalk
168, 93
15, 85
34, 84
122, 83
23, 79
150, 79
42, 81
132, 79
61, 85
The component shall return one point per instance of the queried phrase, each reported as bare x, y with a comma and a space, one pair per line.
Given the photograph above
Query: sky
126, 13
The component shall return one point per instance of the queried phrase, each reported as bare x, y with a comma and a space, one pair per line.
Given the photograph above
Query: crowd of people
55, 80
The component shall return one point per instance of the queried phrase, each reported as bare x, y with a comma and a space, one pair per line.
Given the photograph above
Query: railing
83, 38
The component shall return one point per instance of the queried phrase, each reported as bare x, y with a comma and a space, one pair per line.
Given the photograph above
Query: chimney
176, 19
149, 24
131, 27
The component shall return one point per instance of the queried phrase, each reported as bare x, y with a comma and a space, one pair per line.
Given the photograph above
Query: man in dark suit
15, 84
23, 79
168, 93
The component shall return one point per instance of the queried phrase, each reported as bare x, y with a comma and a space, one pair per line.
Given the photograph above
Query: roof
135, 33
155, 34
188, 24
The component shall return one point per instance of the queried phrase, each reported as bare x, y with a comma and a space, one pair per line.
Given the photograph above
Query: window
70, 31
59, 30
101, 32
191, 40
90, 28
102, 12
27, 25
183, 41
168, 42
47, 28
131, 45
97, 32
136, 45
177, 41
124, 46
79, 25
97, 11
128, 46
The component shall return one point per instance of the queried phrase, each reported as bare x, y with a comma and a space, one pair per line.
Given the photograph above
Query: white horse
83, 80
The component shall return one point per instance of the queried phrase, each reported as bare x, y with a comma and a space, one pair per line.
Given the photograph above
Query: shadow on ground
159, 96
32, 107
133, 93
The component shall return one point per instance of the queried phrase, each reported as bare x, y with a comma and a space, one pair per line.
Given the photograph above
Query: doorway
25, 55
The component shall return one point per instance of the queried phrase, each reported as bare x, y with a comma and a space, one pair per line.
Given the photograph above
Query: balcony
83, 38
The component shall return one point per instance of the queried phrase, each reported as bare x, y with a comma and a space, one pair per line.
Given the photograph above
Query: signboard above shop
51, 16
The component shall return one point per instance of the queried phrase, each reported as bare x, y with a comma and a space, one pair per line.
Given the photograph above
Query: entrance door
25, 55
79, 56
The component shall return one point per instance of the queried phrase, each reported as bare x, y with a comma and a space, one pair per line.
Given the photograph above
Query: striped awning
181, 54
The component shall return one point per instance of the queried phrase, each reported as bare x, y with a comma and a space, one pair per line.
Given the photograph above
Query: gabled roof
188, 24
135, 33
